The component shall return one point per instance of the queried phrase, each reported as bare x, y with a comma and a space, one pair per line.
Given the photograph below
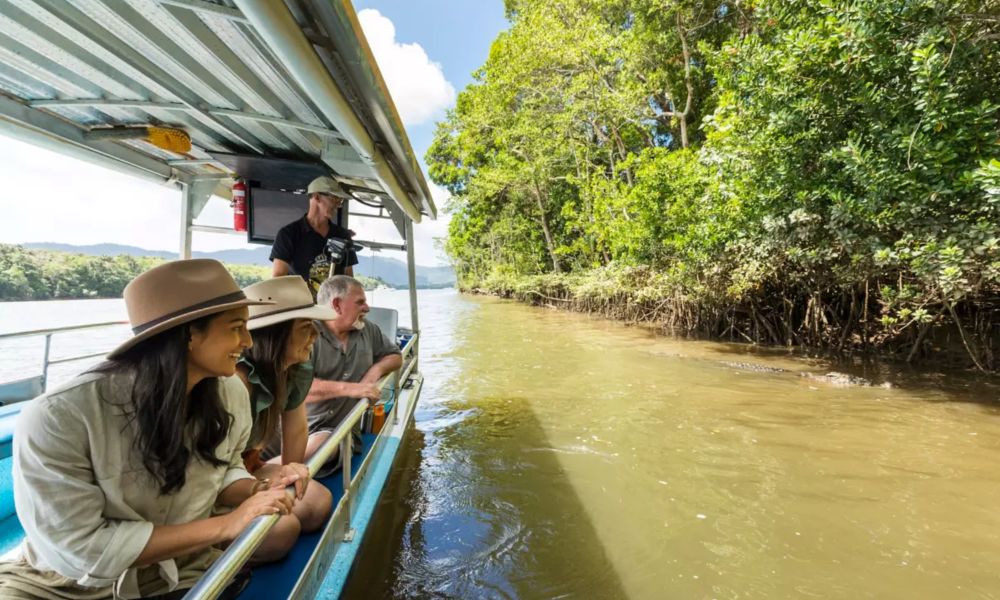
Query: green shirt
261, 398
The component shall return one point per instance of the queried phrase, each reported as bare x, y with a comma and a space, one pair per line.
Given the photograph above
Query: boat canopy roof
186, 91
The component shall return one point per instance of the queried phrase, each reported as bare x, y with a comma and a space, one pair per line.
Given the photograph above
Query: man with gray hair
349, 357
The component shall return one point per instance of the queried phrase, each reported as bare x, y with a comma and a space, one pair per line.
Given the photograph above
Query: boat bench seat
277, 579
8, 418
11, 532
387, 320
12, 392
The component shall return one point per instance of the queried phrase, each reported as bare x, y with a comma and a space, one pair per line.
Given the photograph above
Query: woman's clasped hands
297, 473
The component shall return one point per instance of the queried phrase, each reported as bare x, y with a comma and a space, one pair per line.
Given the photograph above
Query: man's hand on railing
297, 473
264, 503
364, 389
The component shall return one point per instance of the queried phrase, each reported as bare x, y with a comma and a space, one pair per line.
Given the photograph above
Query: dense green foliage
44, 275
815, 172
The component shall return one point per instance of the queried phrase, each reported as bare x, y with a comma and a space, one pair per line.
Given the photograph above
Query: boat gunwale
325, 553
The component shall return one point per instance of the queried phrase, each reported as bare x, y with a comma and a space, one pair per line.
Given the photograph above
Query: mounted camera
340, 251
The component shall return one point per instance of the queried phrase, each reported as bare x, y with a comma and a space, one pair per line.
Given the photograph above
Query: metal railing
48, 333
403, 374
218, 576
215, 580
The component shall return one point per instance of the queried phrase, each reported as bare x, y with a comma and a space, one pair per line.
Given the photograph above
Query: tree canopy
49, 275
821, 172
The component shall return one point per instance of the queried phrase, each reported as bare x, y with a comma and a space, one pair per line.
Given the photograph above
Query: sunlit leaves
832, 143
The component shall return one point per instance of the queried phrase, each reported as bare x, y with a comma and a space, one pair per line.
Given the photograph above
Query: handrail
410, 343
400, 375
380, 245
218, 576
28, 333
48, 333
59, 361
406, 373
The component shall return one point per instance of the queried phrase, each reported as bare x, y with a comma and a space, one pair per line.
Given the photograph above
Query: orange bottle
378, 418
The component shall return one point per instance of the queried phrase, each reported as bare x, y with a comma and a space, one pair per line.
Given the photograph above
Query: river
557, 455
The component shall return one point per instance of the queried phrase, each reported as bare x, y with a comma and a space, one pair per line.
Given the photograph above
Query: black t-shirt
299, 245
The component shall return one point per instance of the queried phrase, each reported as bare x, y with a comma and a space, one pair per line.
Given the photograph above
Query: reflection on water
564, 456
481, 507
557, 455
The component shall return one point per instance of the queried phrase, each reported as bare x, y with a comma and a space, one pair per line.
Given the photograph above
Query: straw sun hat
179, 292
288, 298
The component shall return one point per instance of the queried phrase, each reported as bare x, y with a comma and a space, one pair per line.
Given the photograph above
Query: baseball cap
326, 185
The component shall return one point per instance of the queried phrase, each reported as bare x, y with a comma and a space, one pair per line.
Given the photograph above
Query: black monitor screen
270, 210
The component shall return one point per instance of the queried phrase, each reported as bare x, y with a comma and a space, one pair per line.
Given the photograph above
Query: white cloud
50, 197
417, 84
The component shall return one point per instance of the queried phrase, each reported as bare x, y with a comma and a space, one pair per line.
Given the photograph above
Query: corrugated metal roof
69, 67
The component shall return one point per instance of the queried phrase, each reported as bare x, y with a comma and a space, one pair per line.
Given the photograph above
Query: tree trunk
683, 117
556, 266
622, 152
668, 104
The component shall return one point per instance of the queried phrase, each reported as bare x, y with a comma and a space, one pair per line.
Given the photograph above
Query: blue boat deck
278, 579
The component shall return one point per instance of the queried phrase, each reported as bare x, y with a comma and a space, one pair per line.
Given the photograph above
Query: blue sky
427, 51
454, 33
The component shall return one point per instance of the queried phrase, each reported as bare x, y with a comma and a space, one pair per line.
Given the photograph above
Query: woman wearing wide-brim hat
117, 473
277, 374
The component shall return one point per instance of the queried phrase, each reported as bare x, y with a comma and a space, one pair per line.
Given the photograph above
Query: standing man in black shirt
301, 247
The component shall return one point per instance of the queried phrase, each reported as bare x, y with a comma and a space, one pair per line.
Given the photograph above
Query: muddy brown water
557, 455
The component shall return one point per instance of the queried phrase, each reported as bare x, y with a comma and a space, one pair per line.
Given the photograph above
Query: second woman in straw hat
278, 374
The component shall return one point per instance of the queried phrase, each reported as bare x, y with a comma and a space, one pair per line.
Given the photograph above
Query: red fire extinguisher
240, 205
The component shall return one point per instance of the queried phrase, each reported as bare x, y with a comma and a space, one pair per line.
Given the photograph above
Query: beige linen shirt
88, 505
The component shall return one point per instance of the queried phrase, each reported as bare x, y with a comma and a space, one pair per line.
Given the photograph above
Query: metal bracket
193, 199
346, 161
201, 190
349, 536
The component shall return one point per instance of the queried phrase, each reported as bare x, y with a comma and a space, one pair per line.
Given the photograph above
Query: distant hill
390, 270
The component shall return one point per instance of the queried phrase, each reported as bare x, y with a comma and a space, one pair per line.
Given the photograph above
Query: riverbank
832, 182
842, 323
27, 275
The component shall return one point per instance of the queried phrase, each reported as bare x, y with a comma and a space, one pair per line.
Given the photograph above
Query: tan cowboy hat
292, 300
178, 292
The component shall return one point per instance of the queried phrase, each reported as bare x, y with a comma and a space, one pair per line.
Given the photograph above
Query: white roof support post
186, 221
411, 275
194, 197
